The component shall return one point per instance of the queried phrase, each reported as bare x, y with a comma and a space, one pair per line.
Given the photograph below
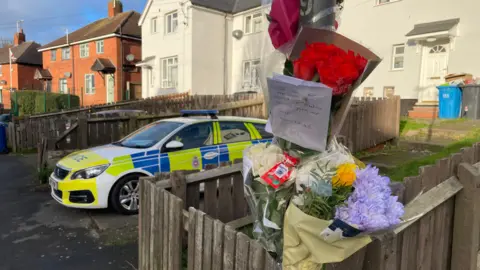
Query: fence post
83, 131
179, 185
132, 124
466, 223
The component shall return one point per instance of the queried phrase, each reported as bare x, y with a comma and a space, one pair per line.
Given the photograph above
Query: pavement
38, 233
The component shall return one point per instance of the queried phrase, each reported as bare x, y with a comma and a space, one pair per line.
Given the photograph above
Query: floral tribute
315, 207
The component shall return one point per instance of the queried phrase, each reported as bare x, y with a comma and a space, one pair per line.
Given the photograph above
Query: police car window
195, 136
149, 135
261, 130
234, 132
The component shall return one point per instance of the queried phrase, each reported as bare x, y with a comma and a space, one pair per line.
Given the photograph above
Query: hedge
33, 102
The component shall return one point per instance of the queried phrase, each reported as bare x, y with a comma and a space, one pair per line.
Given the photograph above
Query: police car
107, 176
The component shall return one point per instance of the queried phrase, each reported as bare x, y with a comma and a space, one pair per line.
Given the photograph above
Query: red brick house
96, 62
25, 61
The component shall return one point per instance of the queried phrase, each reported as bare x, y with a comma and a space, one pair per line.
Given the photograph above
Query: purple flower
371, 207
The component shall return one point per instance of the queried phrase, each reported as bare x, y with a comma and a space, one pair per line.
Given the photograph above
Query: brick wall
79, 67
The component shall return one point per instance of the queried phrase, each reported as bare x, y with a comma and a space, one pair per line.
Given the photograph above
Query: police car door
234, 138
198, 151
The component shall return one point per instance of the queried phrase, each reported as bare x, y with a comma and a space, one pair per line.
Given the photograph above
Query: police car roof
195, 119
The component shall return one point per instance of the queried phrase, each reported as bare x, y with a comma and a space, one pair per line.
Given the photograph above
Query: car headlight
89, 172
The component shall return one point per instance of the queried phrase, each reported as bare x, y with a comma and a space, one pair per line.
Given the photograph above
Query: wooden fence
80, 132
444, 197
152, 106
369, 123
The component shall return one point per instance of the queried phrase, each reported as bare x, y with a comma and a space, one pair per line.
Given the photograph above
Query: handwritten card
299, 111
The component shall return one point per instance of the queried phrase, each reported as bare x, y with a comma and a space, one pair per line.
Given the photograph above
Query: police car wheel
125, 195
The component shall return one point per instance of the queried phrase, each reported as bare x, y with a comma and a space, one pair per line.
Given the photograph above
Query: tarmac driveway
37, 233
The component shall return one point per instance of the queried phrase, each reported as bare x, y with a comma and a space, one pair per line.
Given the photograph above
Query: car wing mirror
174, 145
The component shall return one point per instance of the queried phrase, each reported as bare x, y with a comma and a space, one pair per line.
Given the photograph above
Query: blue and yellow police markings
148, 161
192, 159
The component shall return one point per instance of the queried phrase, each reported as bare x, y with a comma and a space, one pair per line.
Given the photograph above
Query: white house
420, 42
202, 46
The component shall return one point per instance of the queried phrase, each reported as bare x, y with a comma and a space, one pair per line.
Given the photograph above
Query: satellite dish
238, 34
130, 57
67, 74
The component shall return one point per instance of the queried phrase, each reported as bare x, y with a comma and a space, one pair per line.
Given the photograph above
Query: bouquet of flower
312, 201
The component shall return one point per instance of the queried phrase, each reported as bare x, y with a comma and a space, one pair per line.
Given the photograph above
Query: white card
300, 111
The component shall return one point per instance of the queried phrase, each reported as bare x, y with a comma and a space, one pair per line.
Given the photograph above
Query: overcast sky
46, 20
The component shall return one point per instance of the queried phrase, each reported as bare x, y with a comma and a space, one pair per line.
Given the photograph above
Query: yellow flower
345, 175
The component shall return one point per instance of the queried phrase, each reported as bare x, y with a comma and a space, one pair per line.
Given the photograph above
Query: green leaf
288, 68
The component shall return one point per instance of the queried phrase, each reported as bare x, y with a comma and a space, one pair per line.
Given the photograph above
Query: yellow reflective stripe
120, 165
252, 134
218, 133
73, 185
185, 159
253, 131
235, 150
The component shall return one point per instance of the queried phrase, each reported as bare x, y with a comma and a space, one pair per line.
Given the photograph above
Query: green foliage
411, 124
324, 207
411, 167
33, 102
44, 174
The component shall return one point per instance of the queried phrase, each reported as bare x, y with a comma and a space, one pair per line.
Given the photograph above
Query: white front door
110, 88
435, 67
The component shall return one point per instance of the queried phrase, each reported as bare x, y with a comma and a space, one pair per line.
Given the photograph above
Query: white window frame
395, 55
167, 81
64, 53
173, 22
386, 88
84, 50
249, 22
60, 89
385, 2
100, 44
154, 25
368, 92
89, 84
53, 55
249, 82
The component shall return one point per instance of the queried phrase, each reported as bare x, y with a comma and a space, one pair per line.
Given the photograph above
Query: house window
171, 22
368, 92
153, 25
53, 55
48, 86
99, 45
62, 86
250, 74
398, 57
84, 52
388, 91
170, 72
253, 23
89, 84
65, 53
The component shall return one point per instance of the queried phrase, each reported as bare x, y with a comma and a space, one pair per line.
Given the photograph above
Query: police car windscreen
149, 135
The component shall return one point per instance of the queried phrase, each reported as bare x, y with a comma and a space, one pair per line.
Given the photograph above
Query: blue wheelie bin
3, 138
450, 101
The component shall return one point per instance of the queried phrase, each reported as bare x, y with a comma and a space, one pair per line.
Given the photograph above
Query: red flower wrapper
336, 61
280, 173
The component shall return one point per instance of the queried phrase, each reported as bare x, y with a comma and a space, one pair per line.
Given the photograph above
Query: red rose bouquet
329, 65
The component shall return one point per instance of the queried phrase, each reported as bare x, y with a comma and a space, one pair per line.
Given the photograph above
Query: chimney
19, 38
115, 7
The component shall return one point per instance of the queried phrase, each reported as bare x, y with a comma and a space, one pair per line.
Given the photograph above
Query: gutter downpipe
225, 56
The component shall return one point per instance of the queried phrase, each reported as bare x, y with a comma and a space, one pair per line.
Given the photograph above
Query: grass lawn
411, 168
410, 124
